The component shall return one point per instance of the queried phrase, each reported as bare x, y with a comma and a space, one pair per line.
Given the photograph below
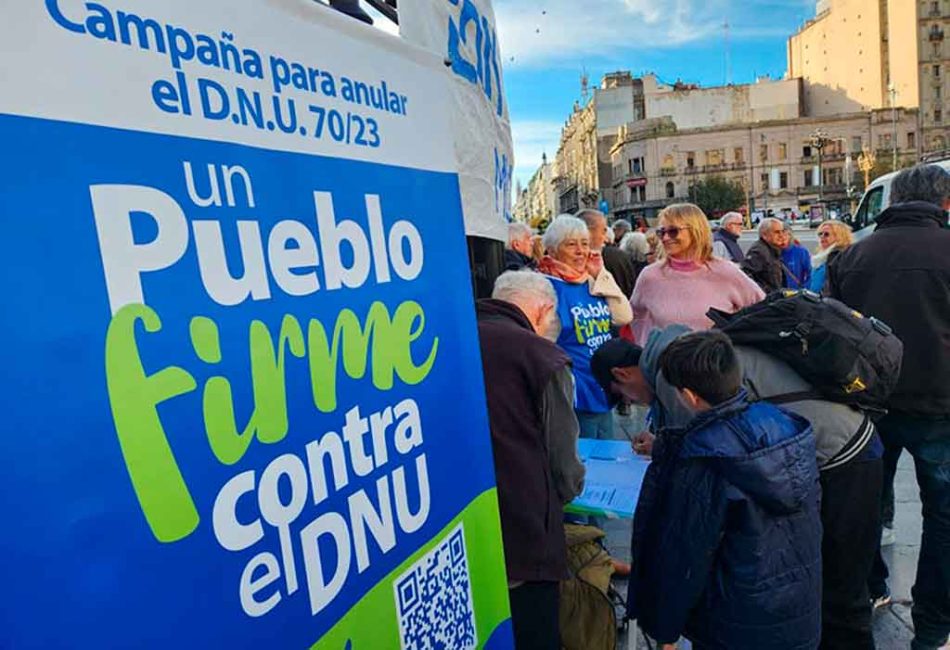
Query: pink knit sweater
665, 295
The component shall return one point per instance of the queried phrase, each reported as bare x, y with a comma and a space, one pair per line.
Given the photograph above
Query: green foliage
715, 195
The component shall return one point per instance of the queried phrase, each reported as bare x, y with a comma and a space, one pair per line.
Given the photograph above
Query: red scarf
551, 266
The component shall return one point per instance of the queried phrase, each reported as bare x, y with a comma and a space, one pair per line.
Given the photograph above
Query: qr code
434, 599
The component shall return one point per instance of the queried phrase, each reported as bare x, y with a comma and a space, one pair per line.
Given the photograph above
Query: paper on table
614, 477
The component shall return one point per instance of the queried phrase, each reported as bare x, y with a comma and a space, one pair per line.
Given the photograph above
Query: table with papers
613, 480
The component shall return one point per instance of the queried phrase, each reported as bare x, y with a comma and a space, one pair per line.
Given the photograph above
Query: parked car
877, 197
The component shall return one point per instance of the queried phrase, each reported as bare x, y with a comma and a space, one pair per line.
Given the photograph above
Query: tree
715, 195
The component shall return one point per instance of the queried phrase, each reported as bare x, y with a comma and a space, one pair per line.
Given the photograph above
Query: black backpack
846, 356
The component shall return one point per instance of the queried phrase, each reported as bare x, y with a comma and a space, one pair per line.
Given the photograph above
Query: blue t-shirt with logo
585, 326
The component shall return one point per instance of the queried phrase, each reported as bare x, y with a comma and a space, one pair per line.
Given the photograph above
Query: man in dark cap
848, 453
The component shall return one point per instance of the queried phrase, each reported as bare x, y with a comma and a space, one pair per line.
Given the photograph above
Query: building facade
538, 201
776, 162
859, 55
577, 179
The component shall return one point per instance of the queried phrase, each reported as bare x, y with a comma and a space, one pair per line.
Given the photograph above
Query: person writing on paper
530, 394
729, 503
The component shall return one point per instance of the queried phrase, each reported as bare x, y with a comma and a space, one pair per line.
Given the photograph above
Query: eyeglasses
824, 235
672, 231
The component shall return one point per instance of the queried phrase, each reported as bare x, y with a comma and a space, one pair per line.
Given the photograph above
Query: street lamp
819, 140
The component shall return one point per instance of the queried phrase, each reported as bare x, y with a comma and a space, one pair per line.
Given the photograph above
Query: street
807, 237
893, 628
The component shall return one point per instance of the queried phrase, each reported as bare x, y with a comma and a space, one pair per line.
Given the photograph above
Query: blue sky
546, 44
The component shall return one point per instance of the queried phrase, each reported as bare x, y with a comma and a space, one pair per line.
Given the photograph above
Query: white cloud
550, 32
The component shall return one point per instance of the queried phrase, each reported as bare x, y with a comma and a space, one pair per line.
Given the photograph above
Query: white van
876, 198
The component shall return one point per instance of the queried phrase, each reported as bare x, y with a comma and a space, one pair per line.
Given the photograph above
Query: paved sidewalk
893, 629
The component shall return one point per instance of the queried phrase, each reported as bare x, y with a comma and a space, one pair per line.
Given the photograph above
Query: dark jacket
621, 265
900, 274
731, 242
763, 263
727, 533
515, 261
518, 364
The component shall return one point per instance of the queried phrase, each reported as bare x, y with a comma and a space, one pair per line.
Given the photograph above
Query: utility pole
728, 44
893, 93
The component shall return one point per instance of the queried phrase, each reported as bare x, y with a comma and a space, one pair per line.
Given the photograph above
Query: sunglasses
672, 231
824, 235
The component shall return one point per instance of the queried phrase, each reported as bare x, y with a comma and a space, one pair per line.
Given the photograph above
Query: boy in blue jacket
727, 533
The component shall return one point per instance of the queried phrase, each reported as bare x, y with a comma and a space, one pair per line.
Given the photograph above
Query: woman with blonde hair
833, 237
687, 279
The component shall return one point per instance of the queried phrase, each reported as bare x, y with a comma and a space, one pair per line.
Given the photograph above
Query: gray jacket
841, 432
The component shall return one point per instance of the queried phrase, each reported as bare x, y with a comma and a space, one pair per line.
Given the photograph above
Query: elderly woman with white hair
589, 304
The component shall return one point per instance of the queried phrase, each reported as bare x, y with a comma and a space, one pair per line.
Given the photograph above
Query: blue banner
243, 396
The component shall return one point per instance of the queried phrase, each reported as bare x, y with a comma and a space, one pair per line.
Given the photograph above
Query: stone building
654, 162
859, 55
538, 201
583, 165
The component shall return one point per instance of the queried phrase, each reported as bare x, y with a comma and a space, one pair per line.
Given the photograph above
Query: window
668, 162
884, 141
856, 144
937, 92
763, 152
834, 176
782, 151
714, 157
783, 180
937, 70
870, 207
809, 178
690, 159
938, 115
670, 190
739, 155
636, 165
765, 181
642, 194
806, 151
911, 140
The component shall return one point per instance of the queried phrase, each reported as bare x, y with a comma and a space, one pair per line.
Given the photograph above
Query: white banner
463, 31
226, 78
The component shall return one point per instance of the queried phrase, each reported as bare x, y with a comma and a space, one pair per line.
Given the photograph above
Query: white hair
636, 244
765, 226
518, 230
561, 228
729, 216
524, 288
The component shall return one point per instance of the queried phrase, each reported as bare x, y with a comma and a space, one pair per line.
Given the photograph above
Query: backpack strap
792, 275
797, 396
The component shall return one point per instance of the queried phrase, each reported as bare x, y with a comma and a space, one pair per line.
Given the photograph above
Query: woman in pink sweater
687, 280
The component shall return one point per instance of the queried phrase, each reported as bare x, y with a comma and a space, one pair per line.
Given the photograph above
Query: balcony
668, 171
831, 156
692, 169
935, 35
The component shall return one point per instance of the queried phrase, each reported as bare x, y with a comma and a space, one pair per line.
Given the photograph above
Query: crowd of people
759, 522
